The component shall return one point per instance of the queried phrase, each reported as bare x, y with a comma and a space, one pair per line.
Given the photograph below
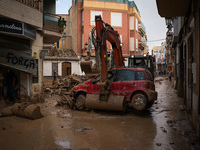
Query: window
131, 23
120, 38
137, 45
116, 19
132, 44
136, 24
140, 75
82, 18
82, 41
93, 14
124, 75
97, 79
62, 42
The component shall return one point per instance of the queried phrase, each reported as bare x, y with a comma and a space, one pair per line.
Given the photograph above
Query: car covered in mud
135, 84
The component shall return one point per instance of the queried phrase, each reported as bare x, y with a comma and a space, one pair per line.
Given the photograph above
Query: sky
155, 25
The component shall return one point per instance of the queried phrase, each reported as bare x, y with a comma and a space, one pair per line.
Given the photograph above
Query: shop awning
18, 60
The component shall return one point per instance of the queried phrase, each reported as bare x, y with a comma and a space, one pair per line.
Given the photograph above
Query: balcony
142, 43
53, 27
142, 29
36, 4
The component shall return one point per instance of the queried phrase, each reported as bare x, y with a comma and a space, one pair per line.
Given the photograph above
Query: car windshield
97, 79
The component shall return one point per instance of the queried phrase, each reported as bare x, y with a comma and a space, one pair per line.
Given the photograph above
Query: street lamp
86, 46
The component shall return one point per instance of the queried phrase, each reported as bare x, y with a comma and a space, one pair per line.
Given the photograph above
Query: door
124, 82
66, 69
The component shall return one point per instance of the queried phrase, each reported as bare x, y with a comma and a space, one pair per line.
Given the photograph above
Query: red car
136, 84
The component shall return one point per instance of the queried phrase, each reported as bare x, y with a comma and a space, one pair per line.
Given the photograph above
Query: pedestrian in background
170, 75
11, 80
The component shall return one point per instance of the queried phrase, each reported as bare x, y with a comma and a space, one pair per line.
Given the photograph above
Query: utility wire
157, 40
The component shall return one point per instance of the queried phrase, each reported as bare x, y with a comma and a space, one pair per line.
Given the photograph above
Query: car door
94, 88
123, 82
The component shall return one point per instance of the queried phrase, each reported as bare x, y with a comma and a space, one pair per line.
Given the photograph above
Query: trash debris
163, 129
158, 144
172, 143
81, 129
63, 87
26, 110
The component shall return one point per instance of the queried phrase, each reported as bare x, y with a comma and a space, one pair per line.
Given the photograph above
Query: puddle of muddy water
63, 144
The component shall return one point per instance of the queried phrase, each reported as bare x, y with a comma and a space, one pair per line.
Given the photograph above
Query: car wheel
80, 102
139, 101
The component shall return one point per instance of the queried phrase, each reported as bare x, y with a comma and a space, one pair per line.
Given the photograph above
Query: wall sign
18, 61
19, 28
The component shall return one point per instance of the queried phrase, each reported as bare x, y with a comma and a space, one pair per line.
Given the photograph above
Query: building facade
26, 32
185, 19
122, 15
159, 53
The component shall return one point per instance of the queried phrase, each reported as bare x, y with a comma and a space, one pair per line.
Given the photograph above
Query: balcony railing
37, 4
143, 41
142, 26
54, 22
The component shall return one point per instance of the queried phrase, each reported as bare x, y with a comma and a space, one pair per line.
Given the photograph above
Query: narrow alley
165, 126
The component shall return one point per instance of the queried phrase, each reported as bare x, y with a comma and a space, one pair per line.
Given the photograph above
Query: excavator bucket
114, 102
90, 72
86, 66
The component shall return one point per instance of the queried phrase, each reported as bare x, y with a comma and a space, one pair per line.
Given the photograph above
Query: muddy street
165, 126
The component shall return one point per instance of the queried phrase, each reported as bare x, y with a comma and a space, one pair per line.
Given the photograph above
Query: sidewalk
171, 117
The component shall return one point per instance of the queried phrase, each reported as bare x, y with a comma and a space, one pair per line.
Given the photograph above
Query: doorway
66, 69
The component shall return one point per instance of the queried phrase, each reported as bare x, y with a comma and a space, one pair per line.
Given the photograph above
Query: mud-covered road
163, 127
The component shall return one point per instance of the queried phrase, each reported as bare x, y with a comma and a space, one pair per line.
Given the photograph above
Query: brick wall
123, 31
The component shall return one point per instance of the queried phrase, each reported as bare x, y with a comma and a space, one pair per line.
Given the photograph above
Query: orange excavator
104, 32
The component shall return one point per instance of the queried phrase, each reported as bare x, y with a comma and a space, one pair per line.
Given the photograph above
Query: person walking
170, 75
11, 80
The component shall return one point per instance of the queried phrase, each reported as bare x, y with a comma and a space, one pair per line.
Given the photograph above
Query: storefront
16, 57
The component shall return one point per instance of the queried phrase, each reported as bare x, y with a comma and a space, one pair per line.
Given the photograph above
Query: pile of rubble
63, 88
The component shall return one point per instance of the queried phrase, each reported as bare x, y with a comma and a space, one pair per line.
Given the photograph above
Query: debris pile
24, 109
63, 88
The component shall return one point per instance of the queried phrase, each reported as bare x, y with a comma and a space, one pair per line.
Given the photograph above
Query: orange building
122, 15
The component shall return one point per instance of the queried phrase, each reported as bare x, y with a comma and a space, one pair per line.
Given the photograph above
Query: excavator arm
104, 32
105, 100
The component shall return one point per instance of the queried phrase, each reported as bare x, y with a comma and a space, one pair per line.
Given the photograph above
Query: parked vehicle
134, 61
135, 84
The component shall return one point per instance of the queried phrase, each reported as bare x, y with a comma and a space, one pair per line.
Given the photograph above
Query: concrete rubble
63, 87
